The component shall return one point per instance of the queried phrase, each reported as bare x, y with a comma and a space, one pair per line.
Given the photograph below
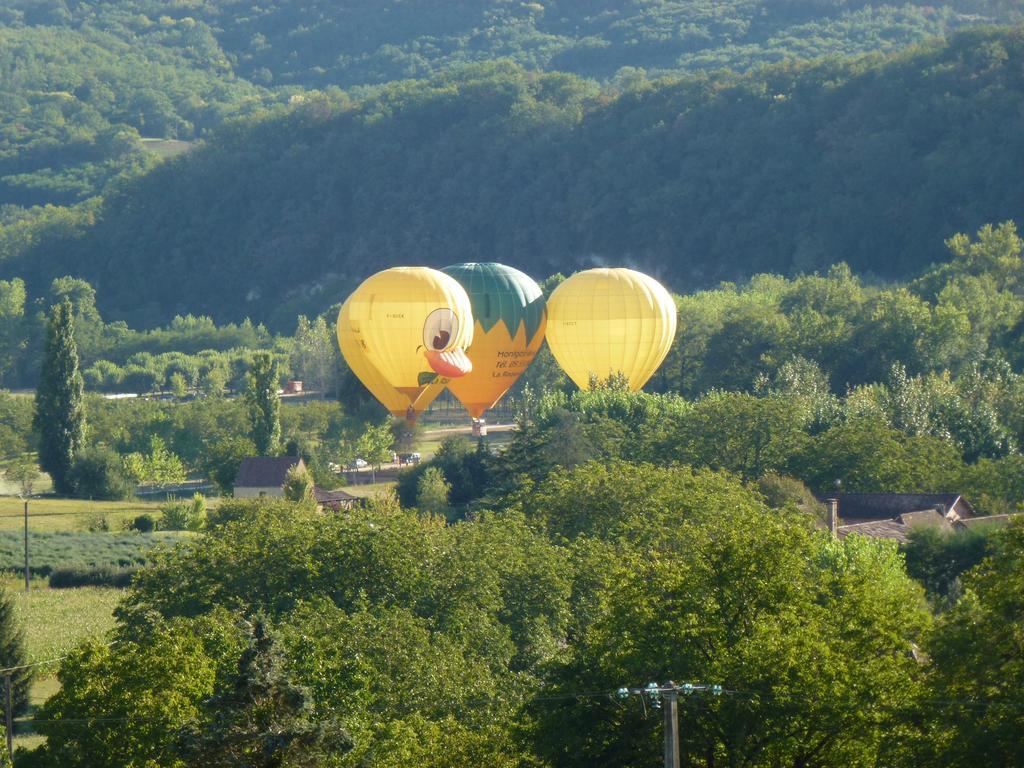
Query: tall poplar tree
264, 404
60, 411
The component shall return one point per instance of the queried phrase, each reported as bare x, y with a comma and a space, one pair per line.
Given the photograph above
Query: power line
44, 662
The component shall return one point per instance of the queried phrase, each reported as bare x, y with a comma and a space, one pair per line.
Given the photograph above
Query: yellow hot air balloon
508, 329
603, 322
404, 333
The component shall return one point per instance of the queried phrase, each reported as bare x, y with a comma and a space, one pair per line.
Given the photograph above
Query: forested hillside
81, 82
698, 178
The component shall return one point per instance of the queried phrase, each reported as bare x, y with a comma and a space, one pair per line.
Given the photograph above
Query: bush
144, 523
95, 576
97, 524
184, 515
98, 474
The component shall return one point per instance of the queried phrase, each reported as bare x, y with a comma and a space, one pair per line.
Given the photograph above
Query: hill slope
698, 179
81, 81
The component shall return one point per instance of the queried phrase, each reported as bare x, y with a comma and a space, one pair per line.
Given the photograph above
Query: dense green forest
80, 82
698, 178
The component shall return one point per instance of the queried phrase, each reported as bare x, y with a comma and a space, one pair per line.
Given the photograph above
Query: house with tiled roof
895, 515
265, 476
867, 507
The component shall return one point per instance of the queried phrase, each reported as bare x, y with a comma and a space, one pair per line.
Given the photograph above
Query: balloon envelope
508, 328
404, 332
607, 321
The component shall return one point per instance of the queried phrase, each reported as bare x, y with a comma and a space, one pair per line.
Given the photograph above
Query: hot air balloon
603, 322
508, 329
404, 333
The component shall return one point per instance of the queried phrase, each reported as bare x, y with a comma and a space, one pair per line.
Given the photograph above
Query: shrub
97, 524
184, 515
92, 576
98, 474
144, 523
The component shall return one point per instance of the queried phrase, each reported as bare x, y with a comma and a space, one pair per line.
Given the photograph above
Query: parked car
408, 458
359, 463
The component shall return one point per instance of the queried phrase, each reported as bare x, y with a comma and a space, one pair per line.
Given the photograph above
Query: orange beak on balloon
452, 364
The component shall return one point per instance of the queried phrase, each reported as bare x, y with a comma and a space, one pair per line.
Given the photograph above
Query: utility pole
666, 698
671, 702
9, 714
26, 546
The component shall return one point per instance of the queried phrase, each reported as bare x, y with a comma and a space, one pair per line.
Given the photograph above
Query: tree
740, 433
12, 326
432, 492
976, 668
298, 484
817, 635
159, 466
264, 404
60, 411
98, 473
223, 458
262, 719
13, 654
137, 697
25, 474
374, 445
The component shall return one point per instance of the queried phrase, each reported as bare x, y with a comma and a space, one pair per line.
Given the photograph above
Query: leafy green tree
374, 444
937, 558
264, 404
137, 696
975, 665
866, 455
60, 412
159, 466
432, 493
12, 331
815, 636
298, 484
740, 433
98, 473
223, 458
622, 500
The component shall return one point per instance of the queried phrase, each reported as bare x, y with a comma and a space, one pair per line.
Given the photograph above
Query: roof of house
336, 500
325, 497
977, 523
864, 507
265, 471
899, 527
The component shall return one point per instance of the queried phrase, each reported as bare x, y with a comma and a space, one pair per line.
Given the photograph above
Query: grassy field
55, 620
370, 489
45, 514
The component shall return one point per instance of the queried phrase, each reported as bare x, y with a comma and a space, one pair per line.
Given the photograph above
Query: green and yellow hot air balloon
404, 333
603, 322
509, 319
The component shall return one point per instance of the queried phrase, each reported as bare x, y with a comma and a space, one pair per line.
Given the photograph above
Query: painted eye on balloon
440, 329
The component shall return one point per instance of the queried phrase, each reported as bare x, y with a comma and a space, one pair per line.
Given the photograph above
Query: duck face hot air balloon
404, 333
602, 322
509, 319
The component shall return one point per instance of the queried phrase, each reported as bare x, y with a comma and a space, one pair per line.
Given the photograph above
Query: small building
264, 476
336, 500
895, 515
856, 508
